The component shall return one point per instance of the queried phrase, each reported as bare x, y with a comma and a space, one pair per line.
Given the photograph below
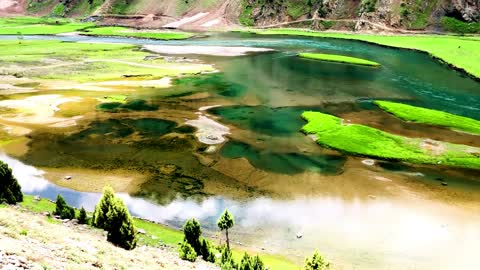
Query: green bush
112, 215
58, 10
245, 17
62, 209
316, 262
187, 252
82, 217
192, 232
246, 263
368, 6
226, 259
297, 8
257, 263
10, 190
453, 25
207, 251
121, 231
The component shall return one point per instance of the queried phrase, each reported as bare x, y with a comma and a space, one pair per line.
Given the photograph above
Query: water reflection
356, 234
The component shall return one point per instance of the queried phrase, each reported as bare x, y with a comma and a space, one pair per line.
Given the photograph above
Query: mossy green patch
461, 52
431, 117
128, 32
338, 59
457, 26
363, 140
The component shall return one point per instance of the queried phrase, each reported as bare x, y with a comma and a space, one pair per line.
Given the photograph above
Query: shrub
226, 259
316, 262
226, 222
58, 10
112, 215
187, 252
62, 209
10, 190
257, 263
457, 26
245, 17
100, 215
368, 6
82, 217
192, 232
246, 263
121, 231
207, 251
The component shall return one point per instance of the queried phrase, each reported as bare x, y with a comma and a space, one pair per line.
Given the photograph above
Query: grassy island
431, 117
338, 59
357, 139
460, 52
128, 32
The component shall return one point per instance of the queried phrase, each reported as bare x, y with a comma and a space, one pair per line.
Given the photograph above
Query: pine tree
82, 217
10, 190
207, 251
112, 215
121, 231
100, 215
192, 232
316, 262
257, 263
246, 262
226, 260
226, 222
62, 209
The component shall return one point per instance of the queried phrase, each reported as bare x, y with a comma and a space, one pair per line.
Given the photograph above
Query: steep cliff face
405, 14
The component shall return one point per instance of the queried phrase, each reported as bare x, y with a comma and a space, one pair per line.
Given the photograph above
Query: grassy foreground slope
356, 139
338, 58
39, 26
431, 117
461, 52
158, 235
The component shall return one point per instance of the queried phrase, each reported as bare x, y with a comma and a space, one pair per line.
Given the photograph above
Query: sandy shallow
39, 110
205, 50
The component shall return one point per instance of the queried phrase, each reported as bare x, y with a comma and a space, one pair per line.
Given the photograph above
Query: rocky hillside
433, 15
31, 241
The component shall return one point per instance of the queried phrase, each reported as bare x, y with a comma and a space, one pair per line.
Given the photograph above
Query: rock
141, 231
368, 162
37, 198
68, 177
444, 184
299, 235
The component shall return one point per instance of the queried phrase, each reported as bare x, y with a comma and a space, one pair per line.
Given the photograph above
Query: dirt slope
29, 241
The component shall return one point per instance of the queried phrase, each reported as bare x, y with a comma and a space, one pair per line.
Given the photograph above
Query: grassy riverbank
128, 32
460, 52
357, 139
431, 117
158, 234
338, 59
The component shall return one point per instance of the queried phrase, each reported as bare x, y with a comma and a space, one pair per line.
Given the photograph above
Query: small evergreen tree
257, 263
207, 251
10, 190
112, 215
192, 232
82, 217
226, 259
121, 231
226, 222
316, 262
187, 252
100, 215
62, 209
246, 262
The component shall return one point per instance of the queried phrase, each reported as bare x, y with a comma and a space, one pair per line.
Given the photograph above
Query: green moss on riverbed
338, 59
431, 117
356, 139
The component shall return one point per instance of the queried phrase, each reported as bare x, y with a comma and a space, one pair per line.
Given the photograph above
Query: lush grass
338, 58
367, 141
127, 32
39, 26
431, 117
461, 52
158, 234
86, 61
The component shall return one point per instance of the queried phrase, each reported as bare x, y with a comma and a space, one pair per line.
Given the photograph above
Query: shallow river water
276, 181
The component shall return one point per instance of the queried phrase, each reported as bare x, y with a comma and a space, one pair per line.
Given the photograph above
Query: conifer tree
100, 215
62, 209
82, 217
226, 222
10, 190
